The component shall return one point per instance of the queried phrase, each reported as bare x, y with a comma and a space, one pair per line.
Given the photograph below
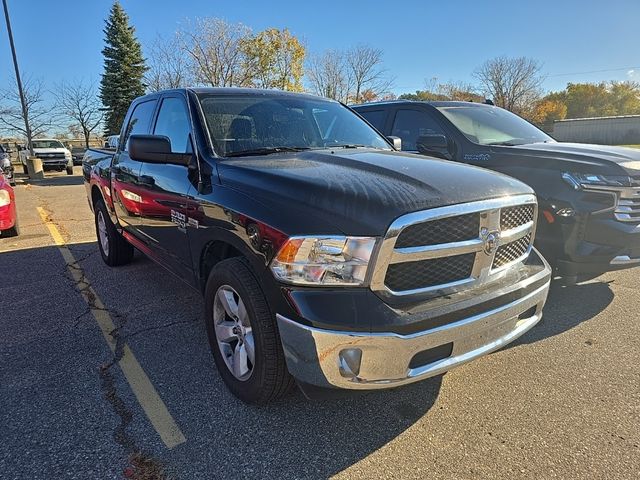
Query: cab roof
236, 91
435, 103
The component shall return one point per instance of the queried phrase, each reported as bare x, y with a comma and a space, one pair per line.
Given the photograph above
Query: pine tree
124, 68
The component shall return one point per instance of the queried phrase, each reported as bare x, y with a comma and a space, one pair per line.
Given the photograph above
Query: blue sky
421, 39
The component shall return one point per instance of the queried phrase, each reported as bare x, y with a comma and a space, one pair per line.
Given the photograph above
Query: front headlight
5, 198
323, 260
586, 180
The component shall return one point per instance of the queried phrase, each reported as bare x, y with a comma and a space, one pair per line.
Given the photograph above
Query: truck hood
607, 159
360, 192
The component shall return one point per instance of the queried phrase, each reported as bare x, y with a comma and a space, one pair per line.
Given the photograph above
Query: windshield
260, 124
493, 126
46, 144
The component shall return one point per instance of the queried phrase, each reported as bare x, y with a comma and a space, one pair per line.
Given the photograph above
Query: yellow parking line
147, 396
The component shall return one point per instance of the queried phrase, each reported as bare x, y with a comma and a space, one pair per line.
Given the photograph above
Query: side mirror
155, 149
436, 144
396, 142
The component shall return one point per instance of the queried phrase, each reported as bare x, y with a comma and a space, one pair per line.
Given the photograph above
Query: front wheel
25, 170
69, 170
114, 249
243, 334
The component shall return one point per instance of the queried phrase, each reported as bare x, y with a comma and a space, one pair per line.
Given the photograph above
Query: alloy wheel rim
102, 233
234, 333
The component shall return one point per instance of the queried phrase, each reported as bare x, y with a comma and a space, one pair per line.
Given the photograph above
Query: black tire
11, 232
69, 170
25, 170
117, 250
269, 379
568, 281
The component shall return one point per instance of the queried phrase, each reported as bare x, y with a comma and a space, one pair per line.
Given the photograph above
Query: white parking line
145, 392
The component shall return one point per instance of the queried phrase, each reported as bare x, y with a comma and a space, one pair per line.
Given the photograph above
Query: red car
8, 214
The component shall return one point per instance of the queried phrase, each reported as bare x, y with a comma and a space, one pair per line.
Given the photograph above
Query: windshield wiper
265, 151
347, 145
504, 144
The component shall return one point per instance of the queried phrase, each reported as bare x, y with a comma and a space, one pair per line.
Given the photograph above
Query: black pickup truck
324, 255
589, 195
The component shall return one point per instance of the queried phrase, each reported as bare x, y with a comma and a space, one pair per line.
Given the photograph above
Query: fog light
566, 212
350, 360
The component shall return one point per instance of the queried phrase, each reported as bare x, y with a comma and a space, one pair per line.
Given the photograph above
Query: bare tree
215, 50
39, 115
329, 75
80, 103
512, 83
367, 73
168, 65
459, 91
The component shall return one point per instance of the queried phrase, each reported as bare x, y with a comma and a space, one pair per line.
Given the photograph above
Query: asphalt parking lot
562, 402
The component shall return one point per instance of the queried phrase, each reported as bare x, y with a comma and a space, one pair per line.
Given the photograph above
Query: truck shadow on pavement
566, 308
52, 180
319, 438
161, 319
292, 438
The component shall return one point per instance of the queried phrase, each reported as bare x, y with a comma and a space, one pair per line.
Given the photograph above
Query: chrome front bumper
625, 260
365, 361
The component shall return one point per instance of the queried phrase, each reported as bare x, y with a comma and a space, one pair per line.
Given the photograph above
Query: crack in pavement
120, 434
140, 464
160, 327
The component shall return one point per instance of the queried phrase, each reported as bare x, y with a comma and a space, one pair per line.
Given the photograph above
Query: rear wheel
115, 250
243, 334
25, 170
69, 170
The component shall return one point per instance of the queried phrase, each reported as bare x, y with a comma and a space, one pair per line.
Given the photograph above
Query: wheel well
95, 195
213, 253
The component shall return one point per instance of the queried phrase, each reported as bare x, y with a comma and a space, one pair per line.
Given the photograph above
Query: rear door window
173, 122
411, 124
140, 121
376, 118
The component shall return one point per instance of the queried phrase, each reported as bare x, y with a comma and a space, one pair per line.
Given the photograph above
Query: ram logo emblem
491, 241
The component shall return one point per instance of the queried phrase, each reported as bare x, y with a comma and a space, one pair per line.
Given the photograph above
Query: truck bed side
96, 167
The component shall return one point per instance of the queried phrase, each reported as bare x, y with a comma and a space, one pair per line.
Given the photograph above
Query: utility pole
18, 81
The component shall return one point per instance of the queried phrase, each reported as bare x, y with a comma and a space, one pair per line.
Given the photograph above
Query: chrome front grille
429, 273
443, 250
51, 156
443, 230
628, 205
511, 252
512, 217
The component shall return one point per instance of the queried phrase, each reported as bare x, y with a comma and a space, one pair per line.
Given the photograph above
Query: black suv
589, 195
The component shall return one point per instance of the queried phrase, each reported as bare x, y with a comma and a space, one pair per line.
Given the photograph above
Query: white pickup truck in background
54, 155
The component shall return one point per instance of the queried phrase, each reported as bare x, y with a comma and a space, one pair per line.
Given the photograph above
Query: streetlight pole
18, 81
